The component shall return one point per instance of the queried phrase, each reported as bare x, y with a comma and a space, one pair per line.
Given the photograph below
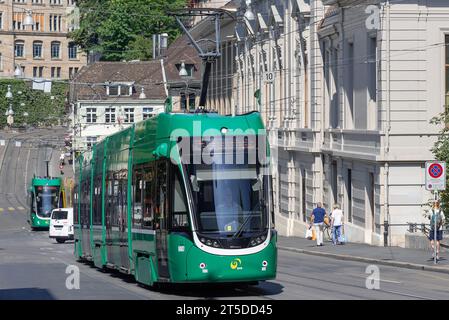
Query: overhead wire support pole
210, 56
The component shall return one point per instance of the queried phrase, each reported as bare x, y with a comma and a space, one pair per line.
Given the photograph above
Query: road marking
21, 208
11, 209
1, 209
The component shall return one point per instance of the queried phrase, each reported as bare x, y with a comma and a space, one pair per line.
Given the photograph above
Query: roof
90, 82
182, 50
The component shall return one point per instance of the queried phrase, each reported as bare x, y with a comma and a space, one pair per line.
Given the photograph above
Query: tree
122, 29
441, 152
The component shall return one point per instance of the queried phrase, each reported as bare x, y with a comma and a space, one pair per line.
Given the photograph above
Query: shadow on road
200, 290
26, 294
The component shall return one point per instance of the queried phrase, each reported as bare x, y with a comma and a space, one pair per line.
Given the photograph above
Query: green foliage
441, 152
41, 108
122, 29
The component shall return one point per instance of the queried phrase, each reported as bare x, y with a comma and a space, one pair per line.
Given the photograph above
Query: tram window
148, 193
109, 206
115, 202
161, 196
180, 218
96, 205
124, 203
137, 192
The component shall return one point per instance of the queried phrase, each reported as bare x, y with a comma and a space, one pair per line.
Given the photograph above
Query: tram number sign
269, 77
435, 175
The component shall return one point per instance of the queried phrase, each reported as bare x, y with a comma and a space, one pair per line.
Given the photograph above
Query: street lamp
28, 21
183, 71
142, 94
18, 72
249, 13
9, 113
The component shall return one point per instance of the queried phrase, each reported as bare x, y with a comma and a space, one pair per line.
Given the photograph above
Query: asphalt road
32, 266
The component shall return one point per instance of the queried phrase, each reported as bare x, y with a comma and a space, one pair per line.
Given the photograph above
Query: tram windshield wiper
240, 229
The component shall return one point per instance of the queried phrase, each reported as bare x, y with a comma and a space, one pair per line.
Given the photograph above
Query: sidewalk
390, 256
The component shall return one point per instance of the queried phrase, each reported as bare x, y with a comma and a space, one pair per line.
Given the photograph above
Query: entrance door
161, 213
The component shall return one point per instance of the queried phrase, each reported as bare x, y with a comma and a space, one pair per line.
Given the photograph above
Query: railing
412, 228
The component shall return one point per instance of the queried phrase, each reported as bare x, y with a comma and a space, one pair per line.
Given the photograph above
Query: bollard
385, 233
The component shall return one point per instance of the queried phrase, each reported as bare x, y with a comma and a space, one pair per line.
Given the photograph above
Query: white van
61, 224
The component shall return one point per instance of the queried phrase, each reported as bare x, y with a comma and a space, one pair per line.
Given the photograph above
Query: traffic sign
435, 175
269, 77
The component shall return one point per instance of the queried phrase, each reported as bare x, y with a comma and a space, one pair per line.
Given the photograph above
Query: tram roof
45, 181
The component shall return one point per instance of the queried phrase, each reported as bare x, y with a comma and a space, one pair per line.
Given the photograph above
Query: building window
91, 115
129, 115
90, 141
38, 72
38, 21
72, 72
55, 49
147, 113
109, 115
56, 72
113, 90
19, 48
372, 60
1, 20
73, 51
187, 102
55, 22
350, 85
37, 49
349, 193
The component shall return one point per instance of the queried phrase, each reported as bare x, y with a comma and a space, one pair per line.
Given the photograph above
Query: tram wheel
60, 240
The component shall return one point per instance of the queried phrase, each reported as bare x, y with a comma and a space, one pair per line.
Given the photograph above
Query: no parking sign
435, 175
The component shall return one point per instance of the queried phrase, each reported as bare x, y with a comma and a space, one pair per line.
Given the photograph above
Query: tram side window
108, 201
97, 201
75, 205
180, 218
160, 212
124, 203
116, 194
148, 193
137, 196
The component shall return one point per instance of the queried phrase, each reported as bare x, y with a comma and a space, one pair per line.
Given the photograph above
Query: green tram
144, 206
45, 194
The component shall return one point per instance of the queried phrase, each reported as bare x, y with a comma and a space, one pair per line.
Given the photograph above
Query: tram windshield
46, 200
229, 198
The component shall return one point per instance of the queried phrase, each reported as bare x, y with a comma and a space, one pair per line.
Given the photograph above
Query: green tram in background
45, 194
142, 209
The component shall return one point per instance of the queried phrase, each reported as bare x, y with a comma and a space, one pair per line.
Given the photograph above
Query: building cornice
34, 33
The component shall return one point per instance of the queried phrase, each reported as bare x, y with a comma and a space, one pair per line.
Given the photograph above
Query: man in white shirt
336, 223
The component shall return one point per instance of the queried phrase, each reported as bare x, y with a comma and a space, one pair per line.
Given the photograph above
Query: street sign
269, 77
435, 175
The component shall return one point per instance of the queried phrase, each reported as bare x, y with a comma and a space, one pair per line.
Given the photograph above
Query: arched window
37, 49
56, 50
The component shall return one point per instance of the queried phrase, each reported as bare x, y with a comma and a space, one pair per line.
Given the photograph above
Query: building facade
347, 90
107, 97
42, 50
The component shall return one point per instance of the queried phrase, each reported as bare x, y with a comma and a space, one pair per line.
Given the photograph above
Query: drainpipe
387, 128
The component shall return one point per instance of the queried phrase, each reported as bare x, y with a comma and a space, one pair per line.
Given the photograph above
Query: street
34, 267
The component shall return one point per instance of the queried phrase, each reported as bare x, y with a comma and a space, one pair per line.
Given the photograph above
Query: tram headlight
210, 242
257, 240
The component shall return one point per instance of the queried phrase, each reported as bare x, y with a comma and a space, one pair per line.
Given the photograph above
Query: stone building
347, 89
41, 50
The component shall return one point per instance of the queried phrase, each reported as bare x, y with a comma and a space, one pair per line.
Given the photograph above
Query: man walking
436, 219
317, 219
336, 223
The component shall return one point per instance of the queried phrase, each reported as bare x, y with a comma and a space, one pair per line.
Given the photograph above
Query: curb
406, 265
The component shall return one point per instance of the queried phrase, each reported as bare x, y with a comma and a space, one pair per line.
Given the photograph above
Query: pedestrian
62, 158
437, 218
317, 219
337, 219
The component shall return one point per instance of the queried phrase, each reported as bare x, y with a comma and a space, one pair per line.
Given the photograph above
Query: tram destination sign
435, 175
